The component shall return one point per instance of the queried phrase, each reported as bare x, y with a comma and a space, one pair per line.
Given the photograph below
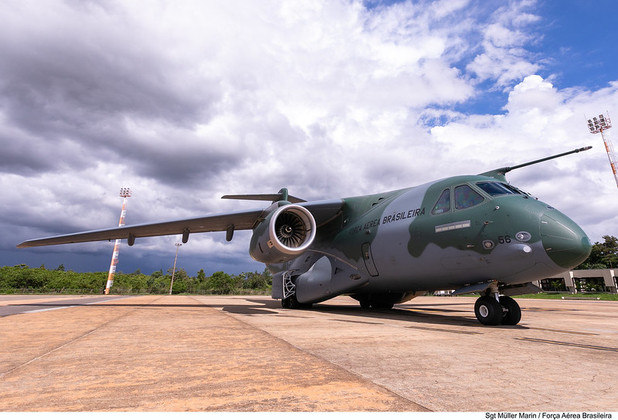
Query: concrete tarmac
245, 353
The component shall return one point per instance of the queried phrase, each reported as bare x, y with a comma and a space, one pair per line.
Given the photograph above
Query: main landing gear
383, 301
493, 310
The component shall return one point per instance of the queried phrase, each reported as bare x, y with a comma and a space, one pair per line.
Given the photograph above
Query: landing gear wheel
365, 304
290, 302
382, 305
512, 312
377, 301
488, 311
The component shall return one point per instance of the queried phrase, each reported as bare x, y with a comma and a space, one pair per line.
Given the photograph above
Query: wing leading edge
224, 222
323, 211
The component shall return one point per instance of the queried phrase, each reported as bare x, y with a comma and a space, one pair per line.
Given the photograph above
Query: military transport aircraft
474, 233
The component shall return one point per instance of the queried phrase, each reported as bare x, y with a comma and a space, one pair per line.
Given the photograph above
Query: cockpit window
466, 197
515, 189
496, 188
444, 203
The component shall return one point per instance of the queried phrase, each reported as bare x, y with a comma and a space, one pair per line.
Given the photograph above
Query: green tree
181, 281
158, 283
603, 254
257, 281
201, 276
221, 283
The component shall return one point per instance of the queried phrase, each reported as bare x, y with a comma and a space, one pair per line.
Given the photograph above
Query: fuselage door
368, 258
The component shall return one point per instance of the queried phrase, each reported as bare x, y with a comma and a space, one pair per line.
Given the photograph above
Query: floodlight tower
124, 193
178, 245
600, 125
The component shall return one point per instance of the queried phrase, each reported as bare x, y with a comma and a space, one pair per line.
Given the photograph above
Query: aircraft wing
323, 212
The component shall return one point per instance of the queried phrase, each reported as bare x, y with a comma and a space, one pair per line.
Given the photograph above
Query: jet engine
286, 233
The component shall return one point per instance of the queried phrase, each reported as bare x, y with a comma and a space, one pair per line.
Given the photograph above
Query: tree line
23, 279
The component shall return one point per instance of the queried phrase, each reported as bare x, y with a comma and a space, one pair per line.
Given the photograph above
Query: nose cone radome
565, 242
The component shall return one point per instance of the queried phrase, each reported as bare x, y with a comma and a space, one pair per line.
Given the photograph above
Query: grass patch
578, 296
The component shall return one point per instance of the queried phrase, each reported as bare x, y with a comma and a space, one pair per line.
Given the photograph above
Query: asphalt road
13, 305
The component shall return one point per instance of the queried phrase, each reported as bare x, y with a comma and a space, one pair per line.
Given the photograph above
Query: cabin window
466, 197
444, 203
495, 188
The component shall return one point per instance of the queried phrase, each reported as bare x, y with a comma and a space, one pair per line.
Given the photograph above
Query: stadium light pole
124, 193
178, 245
600, 125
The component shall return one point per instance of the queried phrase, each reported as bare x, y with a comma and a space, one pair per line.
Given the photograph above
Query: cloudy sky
184, 101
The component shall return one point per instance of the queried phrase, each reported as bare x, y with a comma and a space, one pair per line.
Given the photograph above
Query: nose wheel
490, 311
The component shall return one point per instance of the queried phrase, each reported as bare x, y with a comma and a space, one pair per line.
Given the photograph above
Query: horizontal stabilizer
262, 197
282, 195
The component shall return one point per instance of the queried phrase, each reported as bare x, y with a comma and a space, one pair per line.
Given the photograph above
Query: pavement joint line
562, 331
317, 356
357, 322
444, 330
565, 343
8, 372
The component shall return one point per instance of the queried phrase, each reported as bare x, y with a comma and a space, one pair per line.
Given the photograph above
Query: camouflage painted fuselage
435, 237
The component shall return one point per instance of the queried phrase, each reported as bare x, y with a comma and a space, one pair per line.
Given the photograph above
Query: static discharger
600, 125
124, 193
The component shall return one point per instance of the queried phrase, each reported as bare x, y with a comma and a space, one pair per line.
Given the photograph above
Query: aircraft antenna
582, 149
600, 125
124, 193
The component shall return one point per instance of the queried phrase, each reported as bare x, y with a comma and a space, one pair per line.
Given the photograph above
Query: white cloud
504, 58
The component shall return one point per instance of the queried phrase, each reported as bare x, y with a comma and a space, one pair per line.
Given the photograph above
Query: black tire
292, 303
488, 311
365, 304
382, 304
512, 313
285, 303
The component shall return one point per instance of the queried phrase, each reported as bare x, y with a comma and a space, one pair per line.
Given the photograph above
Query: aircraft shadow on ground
440, 314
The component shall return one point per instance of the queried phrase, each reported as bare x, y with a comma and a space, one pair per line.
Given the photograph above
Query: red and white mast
124, 193
600, 125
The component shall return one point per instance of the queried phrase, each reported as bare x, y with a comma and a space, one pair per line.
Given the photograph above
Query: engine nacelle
286, 233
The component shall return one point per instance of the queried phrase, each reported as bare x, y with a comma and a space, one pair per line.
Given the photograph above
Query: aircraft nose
564, 241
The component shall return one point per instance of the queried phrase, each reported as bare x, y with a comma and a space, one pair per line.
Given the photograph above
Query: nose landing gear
490, 311
289, 300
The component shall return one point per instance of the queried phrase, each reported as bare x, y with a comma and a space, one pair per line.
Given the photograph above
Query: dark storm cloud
21, 155
66, 96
